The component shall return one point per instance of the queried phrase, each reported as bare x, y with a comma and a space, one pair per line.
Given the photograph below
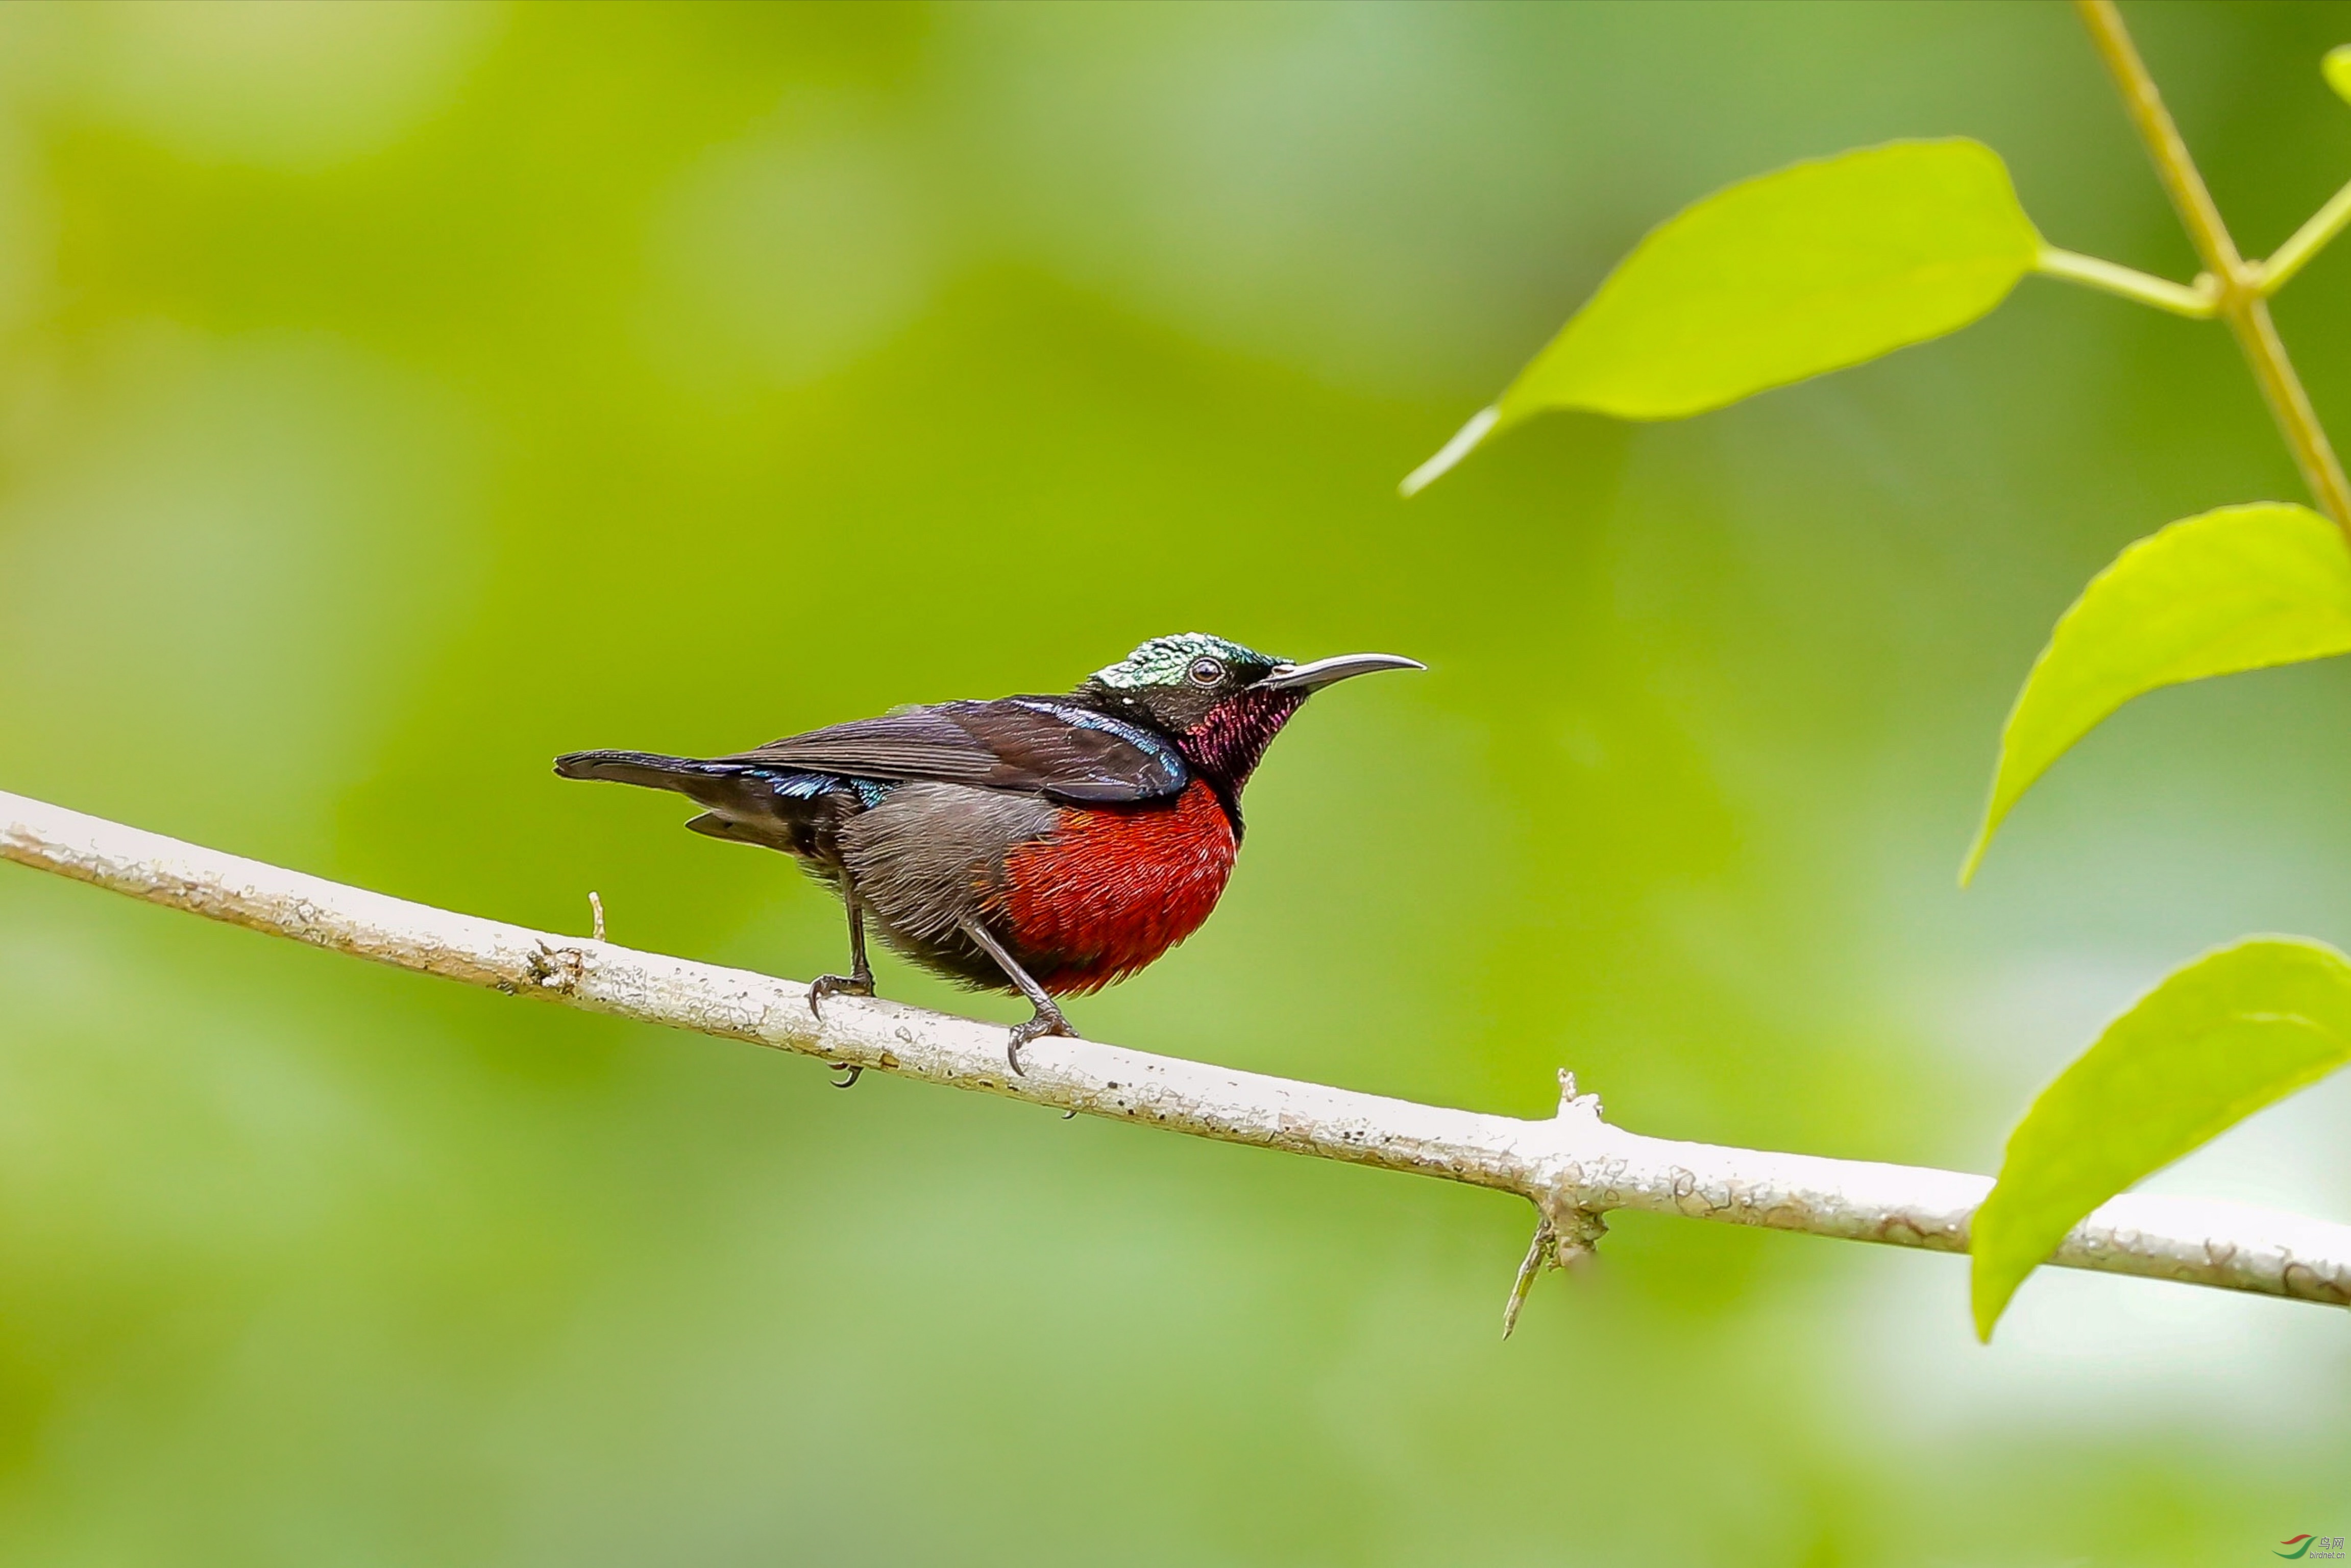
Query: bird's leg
1049, 1019
859, 982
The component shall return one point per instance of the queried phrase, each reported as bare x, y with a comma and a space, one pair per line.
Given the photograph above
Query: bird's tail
739, 800
647, 769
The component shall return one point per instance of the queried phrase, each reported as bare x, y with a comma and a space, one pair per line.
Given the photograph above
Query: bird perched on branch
1050, 845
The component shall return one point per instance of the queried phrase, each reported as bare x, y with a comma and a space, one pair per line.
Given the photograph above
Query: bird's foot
1048, 1020
823, 986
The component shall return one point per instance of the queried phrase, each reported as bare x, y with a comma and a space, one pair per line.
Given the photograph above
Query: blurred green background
391, 397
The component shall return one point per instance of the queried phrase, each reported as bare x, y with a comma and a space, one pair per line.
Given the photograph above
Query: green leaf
2338, 66
2217, 1040
1814, 267
2238, 588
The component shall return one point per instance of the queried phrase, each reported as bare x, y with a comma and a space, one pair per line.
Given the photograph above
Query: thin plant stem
2199, 302
2238, 282
2295, 254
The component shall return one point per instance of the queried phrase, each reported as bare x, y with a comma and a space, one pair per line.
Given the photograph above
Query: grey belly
928, 857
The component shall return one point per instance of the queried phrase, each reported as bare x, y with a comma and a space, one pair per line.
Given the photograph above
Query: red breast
1114, 887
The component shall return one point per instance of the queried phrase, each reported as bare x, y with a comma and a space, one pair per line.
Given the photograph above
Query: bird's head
1221, 703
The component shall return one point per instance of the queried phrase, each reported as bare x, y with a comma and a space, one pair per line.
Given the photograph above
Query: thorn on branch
1537, 1251
596, 908
1569, 1100
1555, 1247
1560, 1241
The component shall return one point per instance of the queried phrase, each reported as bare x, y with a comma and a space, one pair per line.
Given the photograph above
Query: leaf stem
2239, 283
1451, 453
2295, 254
2200, 301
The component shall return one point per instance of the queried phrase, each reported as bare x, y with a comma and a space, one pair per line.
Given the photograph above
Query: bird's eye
1206, 672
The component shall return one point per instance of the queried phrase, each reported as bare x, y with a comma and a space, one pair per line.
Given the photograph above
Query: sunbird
1048, 845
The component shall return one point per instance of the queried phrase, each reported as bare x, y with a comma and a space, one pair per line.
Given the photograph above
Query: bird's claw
825, 985
1047, 1021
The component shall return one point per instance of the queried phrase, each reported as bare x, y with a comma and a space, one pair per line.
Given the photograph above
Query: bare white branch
1574, 1167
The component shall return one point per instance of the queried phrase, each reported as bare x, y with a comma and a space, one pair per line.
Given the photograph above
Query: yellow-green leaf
1810, 269
2238, 588
2338, 66
2217, 1040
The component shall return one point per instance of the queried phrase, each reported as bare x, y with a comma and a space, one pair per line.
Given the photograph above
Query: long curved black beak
1322, 671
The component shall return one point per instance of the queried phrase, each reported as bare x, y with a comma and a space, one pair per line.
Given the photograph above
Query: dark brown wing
921, 743
1047, 745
